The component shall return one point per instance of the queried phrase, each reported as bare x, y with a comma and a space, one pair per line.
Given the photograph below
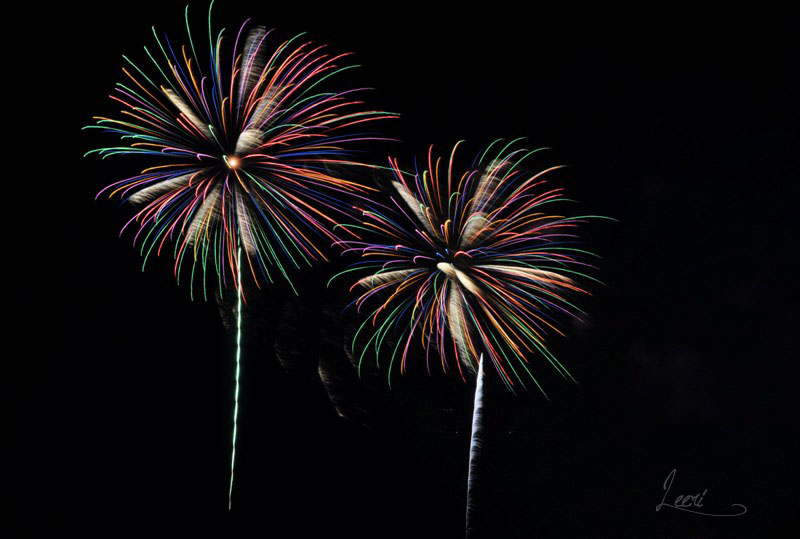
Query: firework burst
239, 158
473, 254
239, 152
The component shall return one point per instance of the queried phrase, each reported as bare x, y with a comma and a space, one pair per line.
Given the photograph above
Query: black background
679, 121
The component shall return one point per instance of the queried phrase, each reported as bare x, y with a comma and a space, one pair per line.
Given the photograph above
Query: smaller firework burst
476, 254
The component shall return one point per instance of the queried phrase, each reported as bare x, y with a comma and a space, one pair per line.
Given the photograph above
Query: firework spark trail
239, 294
475, 444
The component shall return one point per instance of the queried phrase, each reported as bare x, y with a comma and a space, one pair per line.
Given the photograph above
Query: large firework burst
476, 255
239, 153
239, 158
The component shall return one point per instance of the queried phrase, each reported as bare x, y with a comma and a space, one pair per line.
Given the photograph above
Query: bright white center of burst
458, 276
232, 161
447, 268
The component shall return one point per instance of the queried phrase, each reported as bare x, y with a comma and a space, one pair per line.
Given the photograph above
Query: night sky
682, 124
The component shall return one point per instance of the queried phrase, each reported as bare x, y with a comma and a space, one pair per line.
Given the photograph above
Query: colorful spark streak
475, 256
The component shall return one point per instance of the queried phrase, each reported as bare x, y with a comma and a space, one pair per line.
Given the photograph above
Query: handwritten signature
693, 503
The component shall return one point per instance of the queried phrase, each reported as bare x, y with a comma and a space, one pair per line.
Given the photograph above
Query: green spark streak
238, 365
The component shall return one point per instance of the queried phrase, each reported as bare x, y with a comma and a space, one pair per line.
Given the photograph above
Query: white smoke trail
475, 445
